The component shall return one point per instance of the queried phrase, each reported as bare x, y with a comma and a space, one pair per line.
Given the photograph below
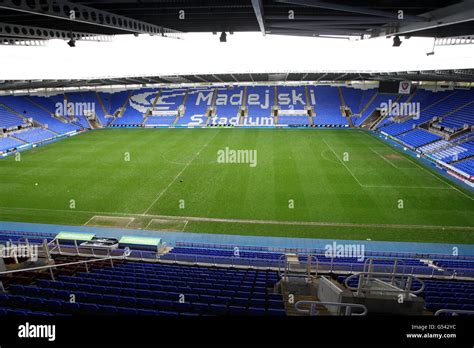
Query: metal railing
316, 251
424, 271
51, 267
365, 278
454, 312
185, 259
309, 268
212, 260
306, 269
370, 264
312, 311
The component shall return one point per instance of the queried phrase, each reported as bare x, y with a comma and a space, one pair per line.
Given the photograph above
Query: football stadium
179, 161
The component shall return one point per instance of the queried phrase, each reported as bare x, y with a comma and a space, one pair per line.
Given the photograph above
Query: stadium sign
404, 87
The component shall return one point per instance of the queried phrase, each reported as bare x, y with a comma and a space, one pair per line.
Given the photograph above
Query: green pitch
339, 184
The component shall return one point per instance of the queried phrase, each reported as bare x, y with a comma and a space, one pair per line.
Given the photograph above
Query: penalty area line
88, 221
185, 224
386, 160
415, 162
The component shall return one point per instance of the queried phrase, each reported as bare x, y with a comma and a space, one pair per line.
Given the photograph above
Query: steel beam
310, 25
321, 76
454, 41
258, 9
322, 23
136, 80
454, 14
346, 8
28, 32
340, 77
217, 78
200, 78
63, 9
357, 19
6, 41
316, 32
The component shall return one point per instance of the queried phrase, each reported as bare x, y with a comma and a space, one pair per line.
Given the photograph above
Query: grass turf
344, 184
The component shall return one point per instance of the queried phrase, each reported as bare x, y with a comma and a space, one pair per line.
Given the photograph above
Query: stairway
101, 103
94, 122
243, 107
306, 95
457, 109
20, 140
211, 109
155, 100
343, 108
275, 104
462, 160
292, 295
124, 105
308, 106
35, 123
383, 117
411, 97
13, 112
71, 117
368, 103
341, 96
70, 109
39, 106
349, 120
182, 107
149, 111
439, 101
38, 124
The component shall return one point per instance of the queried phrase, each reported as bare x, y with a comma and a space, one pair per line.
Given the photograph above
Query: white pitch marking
243, 221
350, 172
177, 175
133, 219
386, 160
185, 224
426, 170
92, 218
148, 224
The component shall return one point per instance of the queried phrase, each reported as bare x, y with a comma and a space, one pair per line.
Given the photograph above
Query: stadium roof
463, 75
288, 17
